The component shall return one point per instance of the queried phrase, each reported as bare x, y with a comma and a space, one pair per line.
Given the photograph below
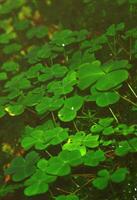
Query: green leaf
21, 24
37, 31
6, 37
133, 144
107, 121
59, 134
35, 70
38, 183
2, 111
119, 175
12, 48
107, 98
101, 182
67, 114
21, 168
63, 38
111, 80
32, 99
10, 66
65, 86
70, 108
18, 82
123, 148
8, 6
93, 158
89, 73
73, 158
14, 110
91, 141
49, 104
116, 65
108, 131
42, 164
3, 76
97, 128
56, 166
58, 70
41, 139
75, 142
111, 31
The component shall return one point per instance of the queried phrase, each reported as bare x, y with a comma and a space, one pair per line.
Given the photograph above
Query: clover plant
62, 78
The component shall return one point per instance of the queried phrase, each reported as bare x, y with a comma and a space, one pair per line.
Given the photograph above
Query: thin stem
130, 48
113, 114
123, 48
53, 117
51, 194
64, 191
85, 184
111, 48
75, 125
128, 100
82, 117
49, 154
115, 51
132, 90
77, 185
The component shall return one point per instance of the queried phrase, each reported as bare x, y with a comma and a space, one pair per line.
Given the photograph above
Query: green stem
75, 125
111, 48
53, 117
115, 51
113, 114
132, 90
49, 154
84, 185
128, 100
130, 48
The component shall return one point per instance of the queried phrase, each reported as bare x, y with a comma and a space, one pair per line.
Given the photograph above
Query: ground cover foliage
68, 99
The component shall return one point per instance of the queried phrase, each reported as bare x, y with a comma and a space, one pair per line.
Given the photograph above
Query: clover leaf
49, 104
22, 168
119, 175
56, 166
89, 73
70, 108
75, 142
38, 183
37, 31
73, 158
123, 148
101, 182
12, 48
107, 98
3, 76
63, 87
105, 122
14, 110
111, 80
93, 158
116, 65
91, 141
41, 139
10, 66
63, 38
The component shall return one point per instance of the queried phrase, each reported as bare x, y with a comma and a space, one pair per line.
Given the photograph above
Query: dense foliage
68, 99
